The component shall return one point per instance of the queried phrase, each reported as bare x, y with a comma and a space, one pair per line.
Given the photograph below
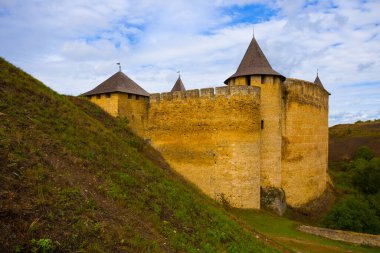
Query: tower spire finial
119, 66
179, 73
253, 31
317, 71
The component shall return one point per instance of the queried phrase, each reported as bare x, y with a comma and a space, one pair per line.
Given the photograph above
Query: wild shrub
355, 214
364, 152
366, 176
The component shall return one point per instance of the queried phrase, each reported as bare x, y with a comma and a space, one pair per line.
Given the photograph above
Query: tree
365, 153
353, 213
366, 176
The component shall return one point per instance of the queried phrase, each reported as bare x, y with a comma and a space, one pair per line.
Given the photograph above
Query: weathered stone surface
213, 141
273, 199
304, 142
345, 236
270, 110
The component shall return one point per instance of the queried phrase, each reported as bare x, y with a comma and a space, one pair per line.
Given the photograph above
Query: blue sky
72, 46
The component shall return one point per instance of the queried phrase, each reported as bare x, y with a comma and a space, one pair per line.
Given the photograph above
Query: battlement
305, 92
225, 91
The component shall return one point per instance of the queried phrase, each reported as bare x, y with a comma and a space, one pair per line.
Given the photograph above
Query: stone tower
255, 70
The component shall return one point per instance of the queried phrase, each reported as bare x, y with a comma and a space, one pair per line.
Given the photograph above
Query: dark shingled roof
178, 86
318, 82
119, 82
254, 62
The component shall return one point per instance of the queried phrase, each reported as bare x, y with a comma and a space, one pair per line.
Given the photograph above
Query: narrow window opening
248, 78
262, 79
137, 97
262, 124
129, 96
98, 96
108, 95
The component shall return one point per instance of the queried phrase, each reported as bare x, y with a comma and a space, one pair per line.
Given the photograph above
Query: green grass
75, 179
285, 232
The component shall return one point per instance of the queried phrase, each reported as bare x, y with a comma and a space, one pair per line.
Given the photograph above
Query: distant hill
74, 179
345, 139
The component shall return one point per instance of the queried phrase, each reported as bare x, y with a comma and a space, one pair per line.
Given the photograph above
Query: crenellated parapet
206, 93
306, 93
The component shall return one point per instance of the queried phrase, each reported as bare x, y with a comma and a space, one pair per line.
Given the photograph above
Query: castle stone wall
109, 104
135, 108
305, 141
212, 138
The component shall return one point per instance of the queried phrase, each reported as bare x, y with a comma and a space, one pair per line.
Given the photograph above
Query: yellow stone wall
109, 104
125, 105
271, 107
135, 108
305, 142
240, 80
213, 140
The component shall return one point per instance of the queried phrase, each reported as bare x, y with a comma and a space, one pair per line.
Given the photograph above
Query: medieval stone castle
259, 131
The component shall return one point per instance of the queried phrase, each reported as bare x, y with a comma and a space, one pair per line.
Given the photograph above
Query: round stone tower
255, 70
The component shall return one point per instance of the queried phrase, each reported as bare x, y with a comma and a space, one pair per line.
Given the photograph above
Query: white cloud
74, 45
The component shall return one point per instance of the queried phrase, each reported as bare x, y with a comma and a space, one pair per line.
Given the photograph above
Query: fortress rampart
212, 138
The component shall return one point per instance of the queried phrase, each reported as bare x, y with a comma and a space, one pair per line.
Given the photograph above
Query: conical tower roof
318, 82
178, 86
254, 62
119, 82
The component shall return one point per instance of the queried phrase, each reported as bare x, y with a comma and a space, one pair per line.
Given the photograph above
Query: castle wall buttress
271, 136
213, 140
305, 141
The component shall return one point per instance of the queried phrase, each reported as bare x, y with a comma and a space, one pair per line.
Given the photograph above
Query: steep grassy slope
76, 180
345, 139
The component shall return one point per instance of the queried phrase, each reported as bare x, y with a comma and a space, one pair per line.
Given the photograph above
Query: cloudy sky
73, 45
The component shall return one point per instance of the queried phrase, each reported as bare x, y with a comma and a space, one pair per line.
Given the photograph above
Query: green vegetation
357, 182
364, 153
42, 245
75, 175
285, 232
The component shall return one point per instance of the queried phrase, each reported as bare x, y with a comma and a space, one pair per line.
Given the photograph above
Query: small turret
178, 86
318, 82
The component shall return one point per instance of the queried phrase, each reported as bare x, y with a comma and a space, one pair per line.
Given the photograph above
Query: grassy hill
345, 139
76, 180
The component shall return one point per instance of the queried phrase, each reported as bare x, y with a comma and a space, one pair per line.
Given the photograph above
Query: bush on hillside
366, 176
365, 153
355, 214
